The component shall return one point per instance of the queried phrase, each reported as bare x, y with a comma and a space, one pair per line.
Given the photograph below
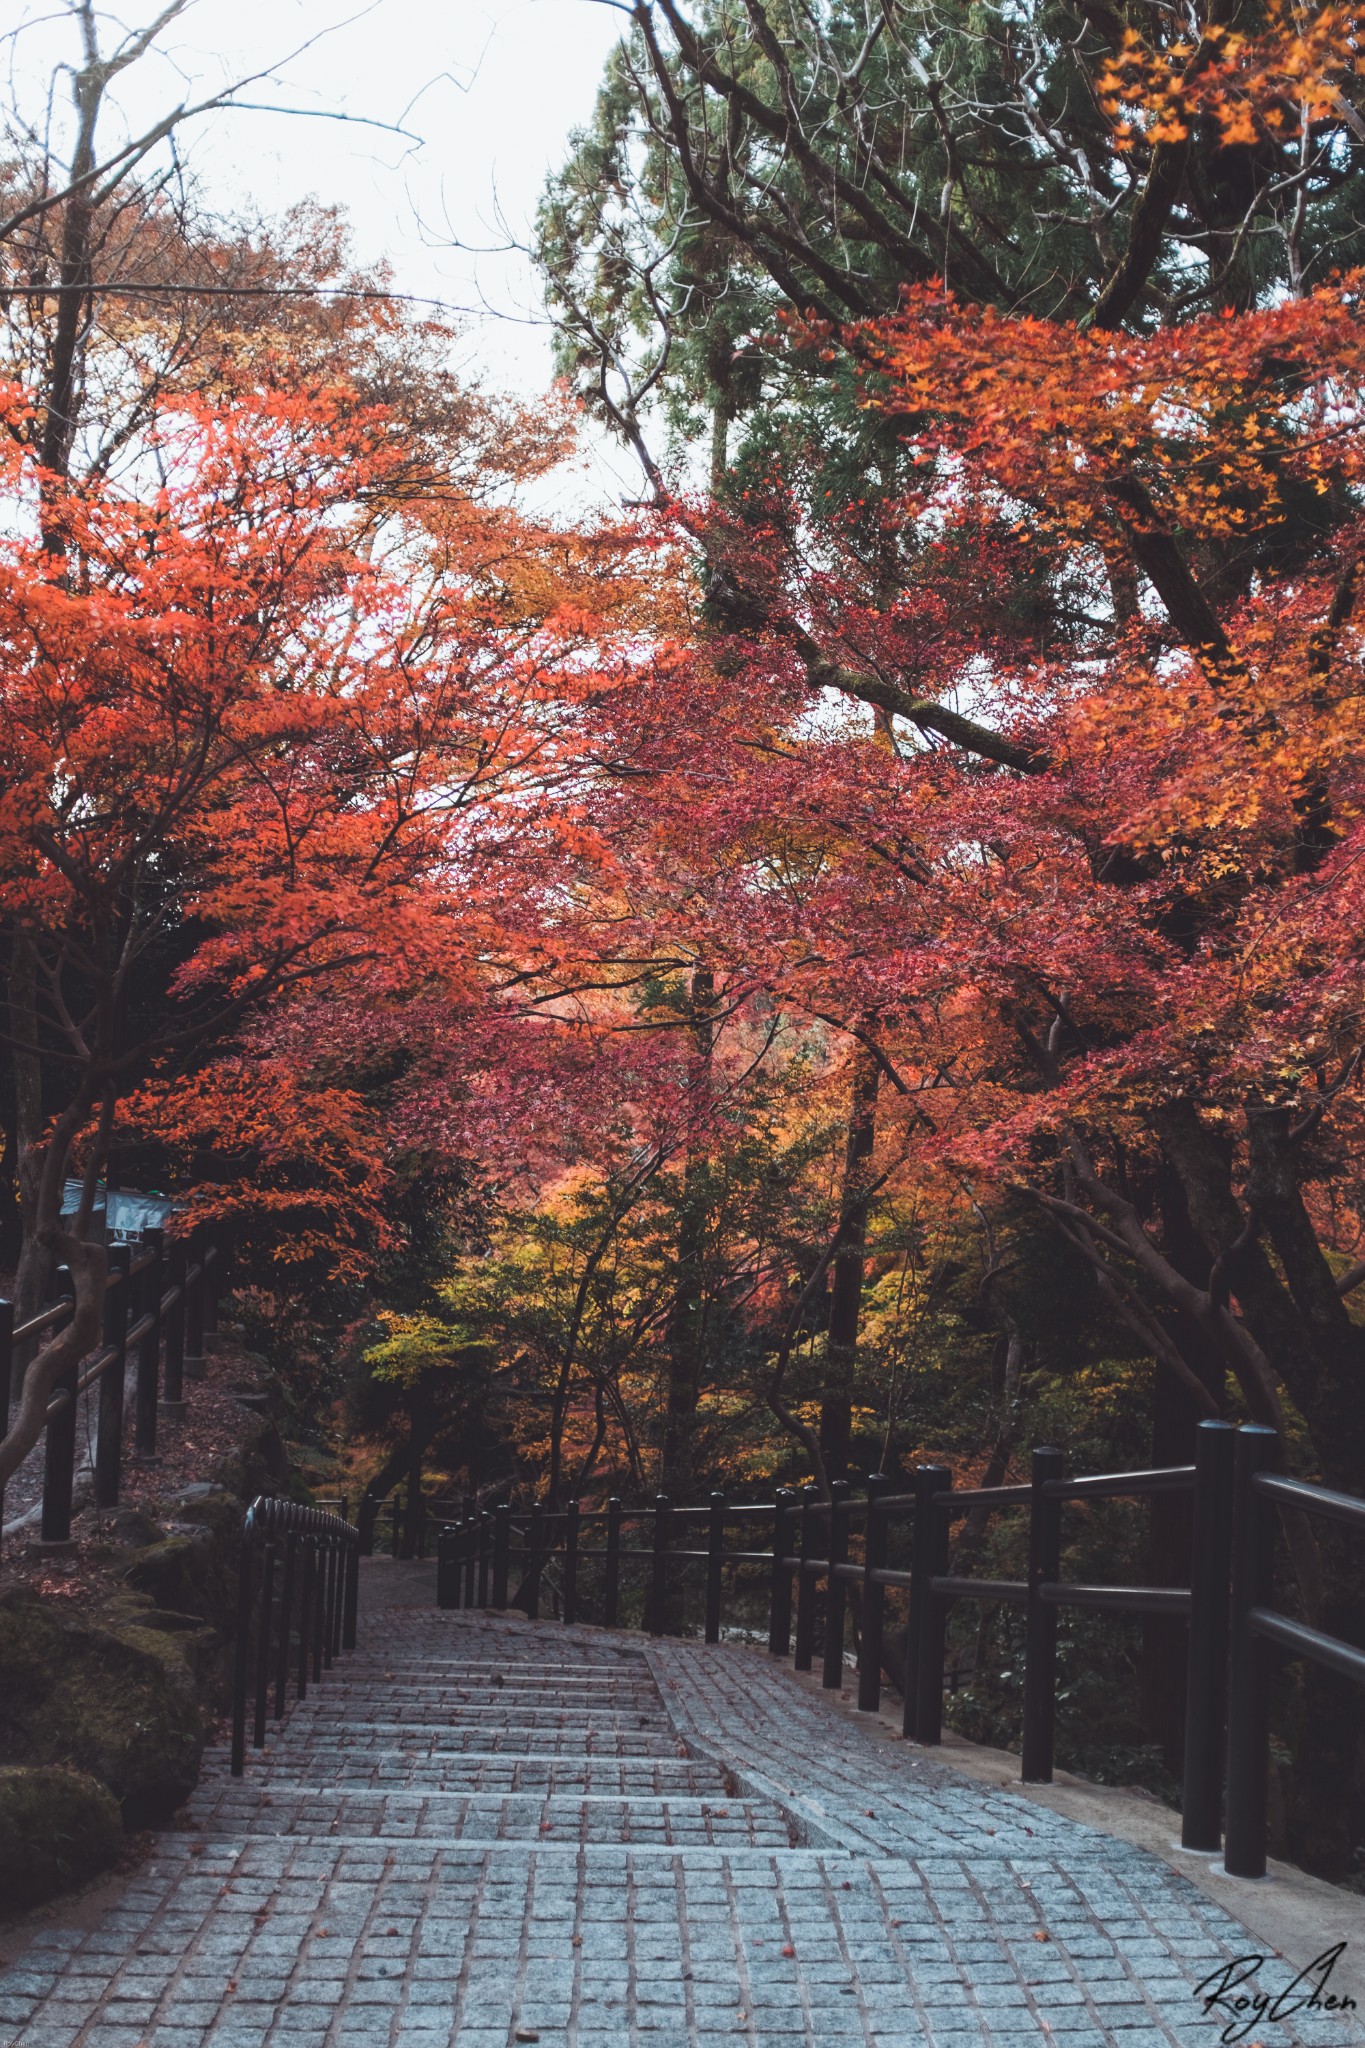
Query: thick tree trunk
687, 1319
846, 1291
405, 1458
28, 1134
1175, 1417
1305, 1331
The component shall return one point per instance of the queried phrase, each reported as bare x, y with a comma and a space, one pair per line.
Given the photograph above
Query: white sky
492, 87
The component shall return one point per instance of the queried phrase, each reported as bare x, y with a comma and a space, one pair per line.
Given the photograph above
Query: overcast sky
491, 87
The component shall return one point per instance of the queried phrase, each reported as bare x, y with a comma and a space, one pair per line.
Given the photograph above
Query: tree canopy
856, 954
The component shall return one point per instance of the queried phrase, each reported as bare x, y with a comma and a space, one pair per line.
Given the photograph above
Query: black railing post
327, 1611
1201, 1806
6, 1376
611, 1587
306, 1594
658, 1570
571, 1563
1253, 1564
59, 1450
348, 1619
836, 1590
874, 1599
109, 1442
148, 1354
291, 1548
805, 1583
193, 1363
715, 1565
485, 1540
447, 1568
933, 1616
342, 1547
925, 1483
263, 1644
459, 1552
319, 1605
1040, 1619
471, 1556
245, 1565
535, 1545
502, 1544
780, 1605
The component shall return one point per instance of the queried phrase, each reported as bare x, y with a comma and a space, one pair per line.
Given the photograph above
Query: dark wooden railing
159, 1305
807, 1571
1259, 1629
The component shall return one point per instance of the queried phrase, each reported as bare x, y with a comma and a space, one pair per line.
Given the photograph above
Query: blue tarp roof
127, 1213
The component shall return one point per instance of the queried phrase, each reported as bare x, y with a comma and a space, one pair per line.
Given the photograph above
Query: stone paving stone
481, 1825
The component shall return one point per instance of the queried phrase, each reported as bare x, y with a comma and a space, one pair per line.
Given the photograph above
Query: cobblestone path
482, 1831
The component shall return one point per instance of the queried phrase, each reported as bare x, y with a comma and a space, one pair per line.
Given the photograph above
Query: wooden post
658, 1576
836, 1588
59, 1450
1206, 1691
611, 1596
194, 1305
109, 1442
174, 1363
780, 1604
471, 1556
805, 1584
502, 1544
928, 1610
715, 1565
148, 1354
571, 1563
1040, 1619
535, 1544
1253, 1565
447, 1569
874, 1599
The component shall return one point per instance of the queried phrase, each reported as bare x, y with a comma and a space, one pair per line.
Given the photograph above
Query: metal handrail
1317, 1500
1258, 1629
810, 1550
321, 1551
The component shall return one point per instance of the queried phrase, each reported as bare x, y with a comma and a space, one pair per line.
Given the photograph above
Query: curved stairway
481, 1831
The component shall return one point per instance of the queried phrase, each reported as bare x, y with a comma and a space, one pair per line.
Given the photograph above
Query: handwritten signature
1232, 1989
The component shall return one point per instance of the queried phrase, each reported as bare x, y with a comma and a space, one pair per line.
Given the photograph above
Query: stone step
394, 1772
317, 1812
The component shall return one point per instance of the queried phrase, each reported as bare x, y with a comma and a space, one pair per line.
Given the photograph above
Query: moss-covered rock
57, 1828
200, 1645
179, 1573
109, 1696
